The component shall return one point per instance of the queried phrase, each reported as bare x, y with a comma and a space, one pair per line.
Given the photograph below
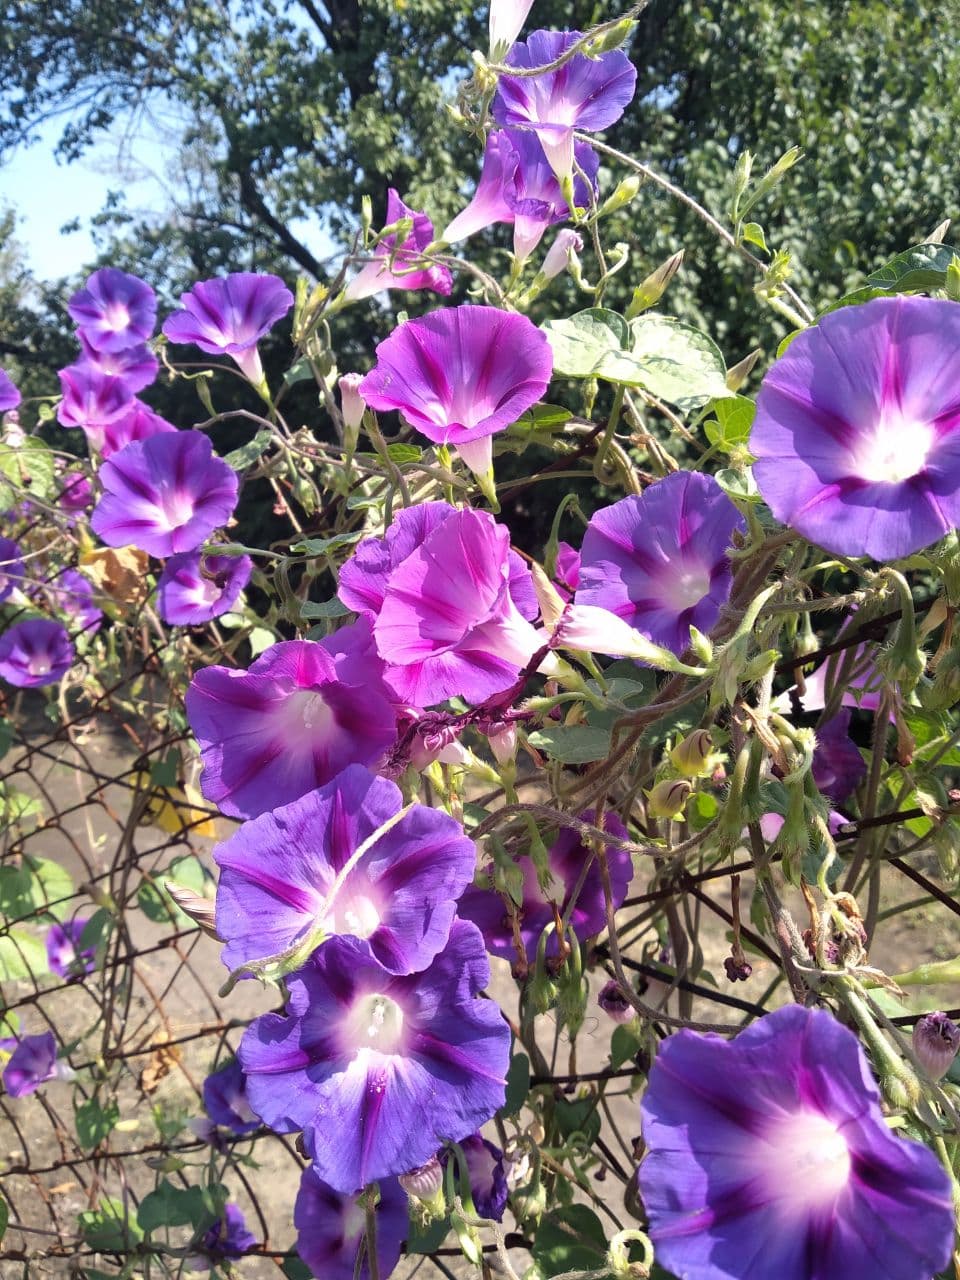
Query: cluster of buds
693, 757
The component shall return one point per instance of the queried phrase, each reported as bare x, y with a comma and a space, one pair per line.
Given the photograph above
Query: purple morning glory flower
658, 560
768, 1155
330, 1228
229, 316
439, 589
857, 432
585, 93
485, 1173
566, 858
567, 569
76, 494
292, 877
32, 1063
518, 186
114, 310
35, 652
290, 723
72, 594
66, 955
194, 588
164, 494
225, 1099
91, 399
379, 1070
137, 366
11, 567
459, 375
227, 1238
378, 275
838, 767
9, 395
137, 422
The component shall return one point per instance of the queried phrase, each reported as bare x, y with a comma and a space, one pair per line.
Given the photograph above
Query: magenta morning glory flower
225, 1099
11, 567
229, 316
293, 877
459, 375
378, 275
35, 652
439, 590
76, 494
9, 395
585, 93
857, 433
379, 1070
330, 1228
566, 858
137, 422
137, 366
294, 720
485, 1174
164, 494
838, 767
194, 588
66, 955
228, 1237
114, 310
32, 1063
768, 1155
91, 399
658, 560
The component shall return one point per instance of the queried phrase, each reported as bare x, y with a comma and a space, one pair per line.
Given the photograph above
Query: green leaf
21, 956
320, 546
163, 773
29, 466
6, 737
246, 454
624, 1044
731, 428
4, 1216
543, 417
592, 344
170, 1206
404, 453
738, 484
518, 1085
94, 1121
923, 267
426, 1239
106, 1228
325, 609
300, 371
259, 639
294, 1269
573, 744
752, 233
581, 1115
678, 363
16, 807
572, 1239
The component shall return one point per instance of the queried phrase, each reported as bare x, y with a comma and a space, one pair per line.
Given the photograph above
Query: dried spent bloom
360, 1052
9, 395
32, 1063
164, 494
425, 1182
857, 431
566, 858
459, 375
658, 560
225, 1099
35, 652
588, 94
114, 310
404, 273
66, 955
195, 588
229, 316
294, 720
614, 1002
936, 1039
227, 1238
443, 592
485, 1173
317, 868
768, 1155
11, 567
331, 1226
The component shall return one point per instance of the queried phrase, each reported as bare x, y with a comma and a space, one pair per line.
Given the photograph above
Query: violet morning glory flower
137, 422
229, 316
293, 877
66, 955
225, 1099
290, 723
379, 1070
32, 1063
485, 1173
566, 571
331, 1225
11, 567
114, 310
9, 395
439, 591
71, 593
838, 767
137, 366
76, 494
566, 858
658, 560
164, 494
769, 1156
194, 588
459, 375
585, 93
91, 399
227, 1238
378, 274
857, 432
35, 652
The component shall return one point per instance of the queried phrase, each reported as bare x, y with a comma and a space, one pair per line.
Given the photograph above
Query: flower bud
936, 1040
609, 40
740, 372
424, 1183
352, 404
567, 244
615, 1004
668, 798
626, 190
503, 742
693, 757
506, 21
653, 288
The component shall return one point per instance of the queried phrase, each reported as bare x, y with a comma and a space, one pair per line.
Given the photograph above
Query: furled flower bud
567, 245
738, 375
668, 798
352, 405
503, 742
615, 1004
425, 1182
693, 757
506, 20
649, 293
936, 1040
